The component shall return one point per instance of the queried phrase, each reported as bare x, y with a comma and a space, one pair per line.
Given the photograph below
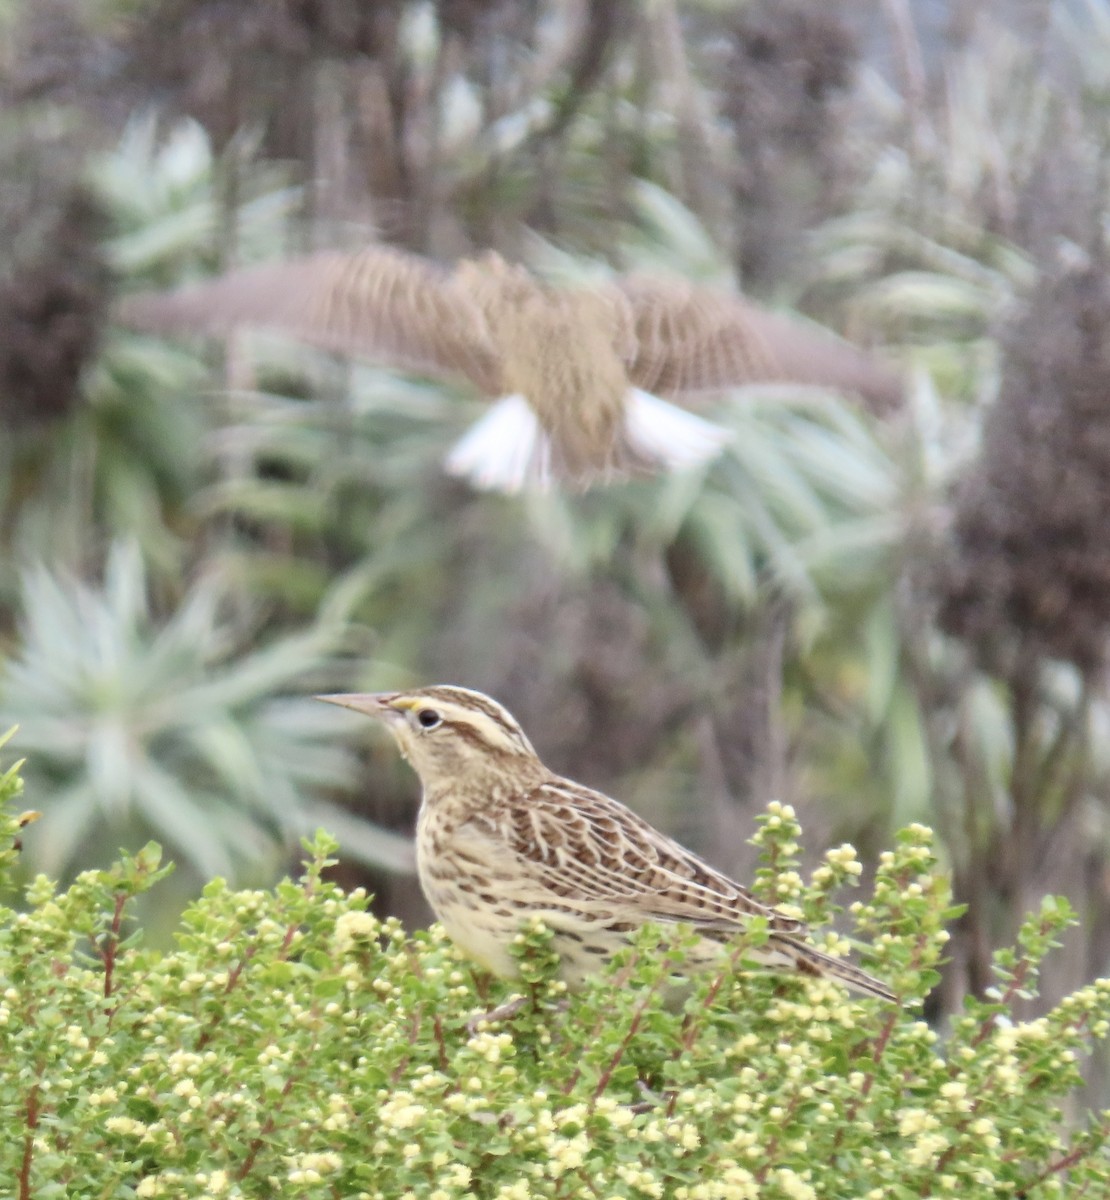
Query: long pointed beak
373, 704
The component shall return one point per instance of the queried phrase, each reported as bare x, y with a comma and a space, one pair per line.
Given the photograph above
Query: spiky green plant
195, 727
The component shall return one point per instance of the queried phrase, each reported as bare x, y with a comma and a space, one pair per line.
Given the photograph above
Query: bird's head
448, 733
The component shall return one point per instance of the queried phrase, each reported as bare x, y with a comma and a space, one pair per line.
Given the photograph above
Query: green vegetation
292, 1044
178, 729
880, 619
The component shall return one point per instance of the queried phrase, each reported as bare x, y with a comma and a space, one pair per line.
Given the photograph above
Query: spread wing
592, 851
689, 339
378, 302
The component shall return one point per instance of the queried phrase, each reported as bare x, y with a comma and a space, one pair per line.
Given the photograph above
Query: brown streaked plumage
579, 372
501, 839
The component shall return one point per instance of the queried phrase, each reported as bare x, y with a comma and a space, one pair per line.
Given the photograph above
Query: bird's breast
565, 366
467, 890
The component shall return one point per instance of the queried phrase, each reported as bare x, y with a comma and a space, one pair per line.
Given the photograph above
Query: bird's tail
668, 436
508, 450
808, 960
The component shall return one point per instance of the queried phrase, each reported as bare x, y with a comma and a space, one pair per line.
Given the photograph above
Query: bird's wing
686, 339
380, 302
590, 855
588, 849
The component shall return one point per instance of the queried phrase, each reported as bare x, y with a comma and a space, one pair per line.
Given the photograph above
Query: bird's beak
373, 704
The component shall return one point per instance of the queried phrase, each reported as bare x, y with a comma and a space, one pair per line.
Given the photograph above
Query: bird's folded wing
379, 302
588, 849
686, 339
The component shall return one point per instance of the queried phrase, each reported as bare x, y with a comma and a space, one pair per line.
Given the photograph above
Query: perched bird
501, 839
578, 373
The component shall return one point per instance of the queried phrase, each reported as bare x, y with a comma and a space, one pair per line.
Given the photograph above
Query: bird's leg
503, 1012
531, 998
500, 1012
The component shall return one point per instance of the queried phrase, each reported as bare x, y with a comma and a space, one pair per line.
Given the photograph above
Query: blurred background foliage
875, 619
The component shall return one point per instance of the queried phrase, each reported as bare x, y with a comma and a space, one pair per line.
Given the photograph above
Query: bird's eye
429, 718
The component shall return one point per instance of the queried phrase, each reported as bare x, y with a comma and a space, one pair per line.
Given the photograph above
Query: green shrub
294, 1045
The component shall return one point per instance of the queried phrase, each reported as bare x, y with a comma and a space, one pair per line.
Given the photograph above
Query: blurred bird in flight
583, 378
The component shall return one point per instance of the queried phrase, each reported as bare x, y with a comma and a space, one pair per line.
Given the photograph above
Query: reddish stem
576, 1074
773, 1143
287, 941
1015, 985
237, 970
880, 1048
1071, 1159
264, 1133
614, 1062
109, 944
29, 1144
441, 1043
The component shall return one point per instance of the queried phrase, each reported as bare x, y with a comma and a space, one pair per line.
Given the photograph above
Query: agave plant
178, 728
167, 194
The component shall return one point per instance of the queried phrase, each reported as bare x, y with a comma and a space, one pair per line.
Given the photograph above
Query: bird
502, 840
582, 377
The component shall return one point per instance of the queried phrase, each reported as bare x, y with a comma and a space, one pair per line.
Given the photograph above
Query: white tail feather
505, 451
508, 450
665, 434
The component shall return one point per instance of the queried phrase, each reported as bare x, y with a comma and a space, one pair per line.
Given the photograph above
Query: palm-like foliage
179, 728
172, 201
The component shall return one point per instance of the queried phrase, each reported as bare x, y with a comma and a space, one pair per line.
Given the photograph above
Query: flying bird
500, 840
583, 378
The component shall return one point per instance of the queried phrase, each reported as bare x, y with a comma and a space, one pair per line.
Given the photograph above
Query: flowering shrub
294, 1045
